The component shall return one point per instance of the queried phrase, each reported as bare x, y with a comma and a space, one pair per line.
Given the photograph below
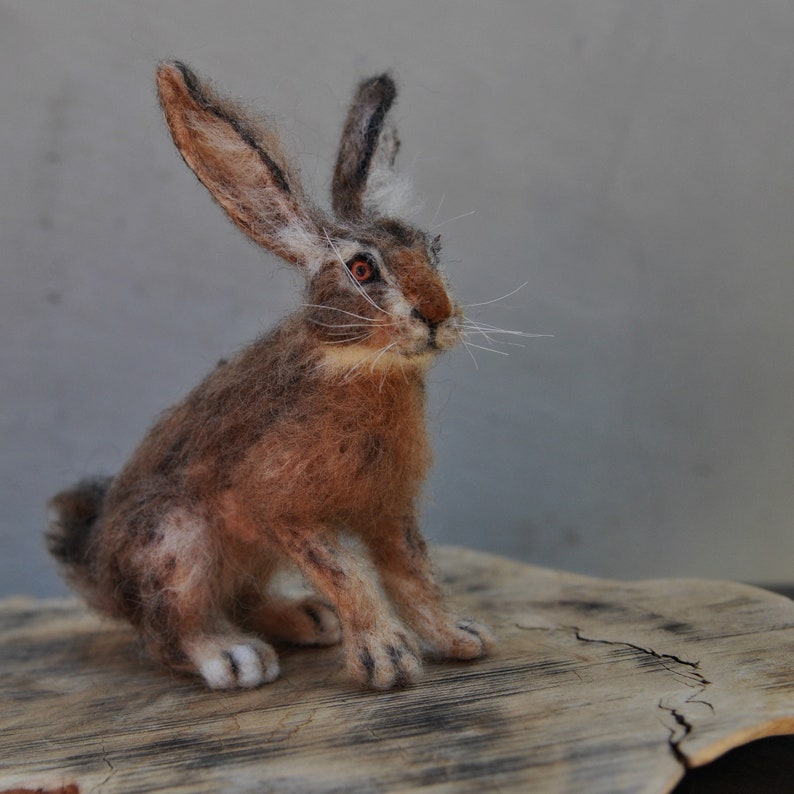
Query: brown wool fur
311, 436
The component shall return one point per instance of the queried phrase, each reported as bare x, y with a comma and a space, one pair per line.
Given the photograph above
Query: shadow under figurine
312, 434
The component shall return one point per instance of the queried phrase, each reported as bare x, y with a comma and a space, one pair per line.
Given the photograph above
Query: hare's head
374, 290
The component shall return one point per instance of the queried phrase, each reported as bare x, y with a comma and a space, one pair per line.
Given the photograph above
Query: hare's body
314, 432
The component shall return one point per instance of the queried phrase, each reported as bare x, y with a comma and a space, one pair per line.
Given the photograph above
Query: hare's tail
74, 515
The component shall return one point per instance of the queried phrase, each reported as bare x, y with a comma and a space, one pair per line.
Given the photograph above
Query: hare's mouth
444, 336
420, 345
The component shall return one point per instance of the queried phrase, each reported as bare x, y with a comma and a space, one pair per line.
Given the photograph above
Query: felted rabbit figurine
310, 437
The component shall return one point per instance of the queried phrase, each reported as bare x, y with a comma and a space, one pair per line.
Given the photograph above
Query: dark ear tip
169, 68
175, 72
384, 79
177, 78
168, 74
382, 87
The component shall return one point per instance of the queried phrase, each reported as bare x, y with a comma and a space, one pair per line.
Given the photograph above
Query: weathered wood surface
595, 687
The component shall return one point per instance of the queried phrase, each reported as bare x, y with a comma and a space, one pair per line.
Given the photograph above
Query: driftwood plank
596, 686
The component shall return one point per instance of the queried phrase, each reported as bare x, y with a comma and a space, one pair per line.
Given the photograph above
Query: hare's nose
433, 310
417, 315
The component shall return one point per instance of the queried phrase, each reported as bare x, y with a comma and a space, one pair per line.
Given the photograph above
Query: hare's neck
393, 396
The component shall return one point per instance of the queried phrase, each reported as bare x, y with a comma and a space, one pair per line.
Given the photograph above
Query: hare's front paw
384, 659
460, 638
228, 662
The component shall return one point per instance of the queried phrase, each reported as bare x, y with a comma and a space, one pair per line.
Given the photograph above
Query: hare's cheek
381, 337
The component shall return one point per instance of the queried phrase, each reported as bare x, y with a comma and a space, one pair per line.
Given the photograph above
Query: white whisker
348, 334
488, 331
496, 341
438, 209
449, 220
466, 345
485, 329
382, 351
343, 311
350, 339
361, 361
352, 369
341, 325
489, 349
496, 300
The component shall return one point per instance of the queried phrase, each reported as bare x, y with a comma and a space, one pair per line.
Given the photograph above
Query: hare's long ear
364, 180
241, 163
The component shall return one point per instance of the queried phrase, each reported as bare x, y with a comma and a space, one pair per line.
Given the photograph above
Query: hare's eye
362, 269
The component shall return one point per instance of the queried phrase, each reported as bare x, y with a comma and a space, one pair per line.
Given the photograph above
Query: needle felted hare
312, 435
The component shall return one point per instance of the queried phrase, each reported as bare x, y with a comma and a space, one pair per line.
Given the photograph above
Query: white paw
229, 663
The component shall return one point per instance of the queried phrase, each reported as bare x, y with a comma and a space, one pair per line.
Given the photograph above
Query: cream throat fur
351, 358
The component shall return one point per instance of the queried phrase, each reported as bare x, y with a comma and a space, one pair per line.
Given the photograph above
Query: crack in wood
545, 713
691, 678
650, 651
110, 766
693, 675
288, 726
675, 743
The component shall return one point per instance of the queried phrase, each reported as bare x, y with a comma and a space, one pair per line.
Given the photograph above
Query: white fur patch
304, 244
249, 667
391, 195
216, 672
183, 539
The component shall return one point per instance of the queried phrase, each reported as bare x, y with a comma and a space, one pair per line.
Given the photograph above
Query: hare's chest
382, 431
351, 452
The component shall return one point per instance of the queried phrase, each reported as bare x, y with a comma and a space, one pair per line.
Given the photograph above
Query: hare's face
374, 289
380, 293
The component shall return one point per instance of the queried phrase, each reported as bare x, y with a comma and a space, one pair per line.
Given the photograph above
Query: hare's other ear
364, 180
241, 162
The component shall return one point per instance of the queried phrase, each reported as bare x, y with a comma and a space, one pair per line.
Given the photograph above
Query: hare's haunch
312, 435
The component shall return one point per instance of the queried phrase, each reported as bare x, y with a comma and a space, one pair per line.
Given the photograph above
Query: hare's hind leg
175, 598
300, 621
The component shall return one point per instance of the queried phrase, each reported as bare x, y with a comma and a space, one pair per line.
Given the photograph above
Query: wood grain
596, 686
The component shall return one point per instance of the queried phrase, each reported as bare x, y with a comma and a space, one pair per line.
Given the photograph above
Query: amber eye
363, 270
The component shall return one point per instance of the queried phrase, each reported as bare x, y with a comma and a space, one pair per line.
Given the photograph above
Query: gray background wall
633, 160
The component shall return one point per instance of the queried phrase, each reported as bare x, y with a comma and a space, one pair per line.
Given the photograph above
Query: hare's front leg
379, 650
400, 553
